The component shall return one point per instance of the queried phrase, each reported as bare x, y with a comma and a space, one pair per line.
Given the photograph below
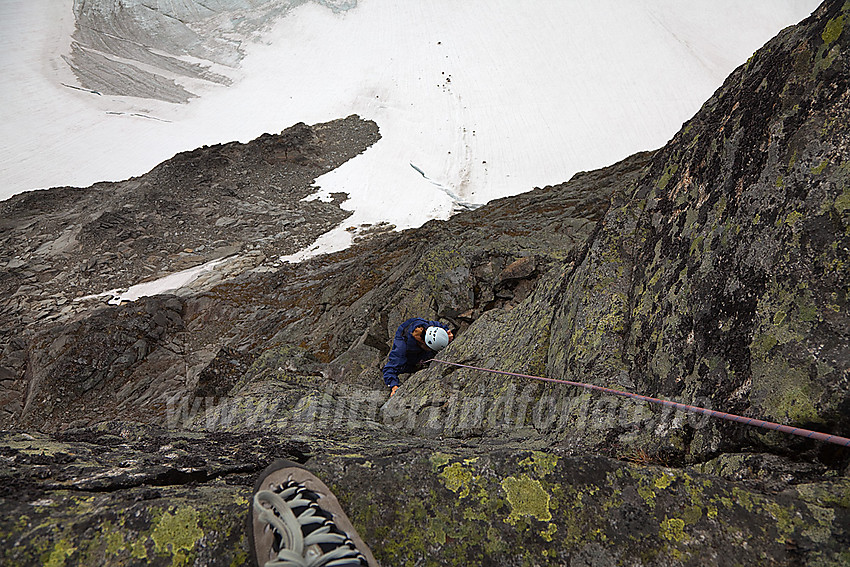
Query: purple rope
843, 441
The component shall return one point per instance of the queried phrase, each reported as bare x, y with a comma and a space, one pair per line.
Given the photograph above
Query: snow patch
167, 284
489, 98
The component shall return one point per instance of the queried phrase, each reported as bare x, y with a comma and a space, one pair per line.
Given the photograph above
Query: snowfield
475, 100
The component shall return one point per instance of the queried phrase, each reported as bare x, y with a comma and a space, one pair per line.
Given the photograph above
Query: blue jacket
407, 353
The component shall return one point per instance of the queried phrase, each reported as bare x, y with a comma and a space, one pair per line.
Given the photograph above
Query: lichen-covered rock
104, 366
715, 278
84, 498
167, 526
129, 494
536, 508
718, 278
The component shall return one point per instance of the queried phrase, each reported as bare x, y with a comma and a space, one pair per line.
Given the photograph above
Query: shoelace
301, 543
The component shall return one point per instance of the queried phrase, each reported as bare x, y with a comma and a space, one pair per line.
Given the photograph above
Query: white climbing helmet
436, 338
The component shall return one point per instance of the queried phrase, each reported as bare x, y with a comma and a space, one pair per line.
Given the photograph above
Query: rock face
61, 245
728, 258
711, 272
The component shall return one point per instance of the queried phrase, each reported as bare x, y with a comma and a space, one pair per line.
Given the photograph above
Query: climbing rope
843, 441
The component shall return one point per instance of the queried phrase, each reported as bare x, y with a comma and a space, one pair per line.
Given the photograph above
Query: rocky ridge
711, 272
244, 204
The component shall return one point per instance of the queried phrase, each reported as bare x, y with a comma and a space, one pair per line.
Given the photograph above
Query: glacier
485, 98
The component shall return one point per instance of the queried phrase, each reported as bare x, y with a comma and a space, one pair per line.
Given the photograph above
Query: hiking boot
295, 521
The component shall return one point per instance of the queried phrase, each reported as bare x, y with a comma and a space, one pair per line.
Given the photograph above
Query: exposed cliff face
239, 202
720, 277
343, 308
712, 272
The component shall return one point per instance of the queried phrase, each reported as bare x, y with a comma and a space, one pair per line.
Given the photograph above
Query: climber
416, 342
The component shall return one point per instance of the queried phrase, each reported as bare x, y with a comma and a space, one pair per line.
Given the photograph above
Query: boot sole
279, 472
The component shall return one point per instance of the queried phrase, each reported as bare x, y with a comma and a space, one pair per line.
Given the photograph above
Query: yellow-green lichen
672, 529
241, 558
837, 494
761, 345
457, 478
645, 491
493, 543
695, 489
743, 498
542, 463
825, 518
437, 263
819, 168
177, 534
114, 540
696, 245
785, 519
668, 173
787, 393
527, 498
842, 203
61, 551
692, 514
40, 447
472, 513
436, 531
832, 30
663, 481
793, 218
138, 550
549, 532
